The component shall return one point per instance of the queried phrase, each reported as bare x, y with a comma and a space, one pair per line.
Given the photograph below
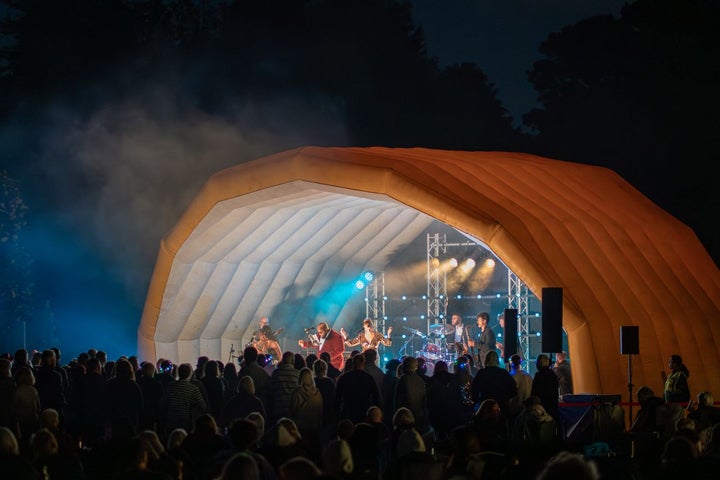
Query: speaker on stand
630, 345
510, 334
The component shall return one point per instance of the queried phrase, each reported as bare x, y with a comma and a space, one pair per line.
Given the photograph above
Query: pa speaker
510, 335
630, 340
552, 302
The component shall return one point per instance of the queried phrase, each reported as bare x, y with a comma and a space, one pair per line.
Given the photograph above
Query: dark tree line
363, 58
638, 93
23, 314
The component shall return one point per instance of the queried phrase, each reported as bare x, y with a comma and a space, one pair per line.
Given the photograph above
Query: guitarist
482, 337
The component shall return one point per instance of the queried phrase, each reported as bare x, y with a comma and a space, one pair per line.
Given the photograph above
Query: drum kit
432, 346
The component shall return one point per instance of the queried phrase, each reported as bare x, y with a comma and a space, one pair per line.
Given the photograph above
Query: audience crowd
301, 418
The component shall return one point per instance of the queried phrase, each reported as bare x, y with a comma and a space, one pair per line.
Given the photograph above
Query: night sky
502, 36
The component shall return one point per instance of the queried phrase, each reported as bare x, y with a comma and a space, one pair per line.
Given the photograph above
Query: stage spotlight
435, 262
489, 263
369, 276
468, 265
453, 262
359, 284
458, 296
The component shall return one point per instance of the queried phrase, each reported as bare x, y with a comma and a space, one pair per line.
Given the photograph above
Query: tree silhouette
16, 286
362, 61
639, 95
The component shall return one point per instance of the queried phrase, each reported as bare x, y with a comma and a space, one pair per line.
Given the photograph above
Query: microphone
232, 348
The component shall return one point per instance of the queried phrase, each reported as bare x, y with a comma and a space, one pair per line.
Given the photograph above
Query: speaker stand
630, 389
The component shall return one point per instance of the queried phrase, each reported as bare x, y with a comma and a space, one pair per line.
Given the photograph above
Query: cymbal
441, 328
414, 331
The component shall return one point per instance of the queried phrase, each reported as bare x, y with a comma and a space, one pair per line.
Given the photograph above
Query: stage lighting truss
375, 299
518, 298
437, 296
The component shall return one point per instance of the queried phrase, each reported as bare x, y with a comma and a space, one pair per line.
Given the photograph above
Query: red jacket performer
327, 340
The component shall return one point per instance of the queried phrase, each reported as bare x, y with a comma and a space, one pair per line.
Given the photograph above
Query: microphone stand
232, 351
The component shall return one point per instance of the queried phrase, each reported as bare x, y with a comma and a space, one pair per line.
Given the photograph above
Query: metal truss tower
518, 296
375, 301
436, 280
375, 304
518, 299
437, 298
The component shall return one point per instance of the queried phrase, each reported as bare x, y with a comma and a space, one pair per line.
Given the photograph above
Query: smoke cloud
104, 188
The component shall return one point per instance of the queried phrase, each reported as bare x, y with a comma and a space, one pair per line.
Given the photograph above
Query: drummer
456, 335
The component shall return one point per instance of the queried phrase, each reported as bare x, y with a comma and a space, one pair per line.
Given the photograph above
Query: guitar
470, 343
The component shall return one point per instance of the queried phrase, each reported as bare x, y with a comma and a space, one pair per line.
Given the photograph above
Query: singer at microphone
368, 337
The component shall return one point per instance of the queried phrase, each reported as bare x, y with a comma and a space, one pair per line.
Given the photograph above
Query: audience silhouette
119, 419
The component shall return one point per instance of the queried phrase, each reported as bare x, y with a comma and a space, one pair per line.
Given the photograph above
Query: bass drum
431, 352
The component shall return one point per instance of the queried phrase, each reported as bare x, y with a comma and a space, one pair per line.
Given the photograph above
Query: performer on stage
486, 340
500, 345
369, 337
456, 336
265, 339
327, 340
